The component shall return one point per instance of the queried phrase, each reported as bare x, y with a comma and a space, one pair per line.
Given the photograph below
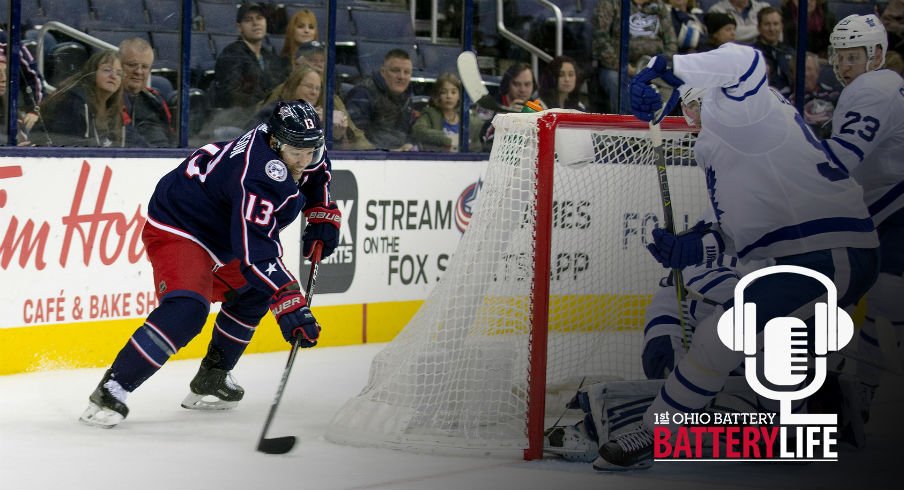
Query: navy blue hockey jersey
232, 198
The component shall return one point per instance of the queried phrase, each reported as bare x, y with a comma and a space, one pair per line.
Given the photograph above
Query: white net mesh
456, 378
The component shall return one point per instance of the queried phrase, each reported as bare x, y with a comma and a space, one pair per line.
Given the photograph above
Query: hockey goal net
546, 289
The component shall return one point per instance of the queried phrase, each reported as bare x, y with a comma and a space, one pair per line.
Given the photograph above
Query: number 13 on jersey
258, 212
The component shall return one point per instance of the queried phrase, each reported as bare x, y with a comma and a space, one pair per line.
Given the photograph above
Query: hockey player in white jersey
867, 138
776, 194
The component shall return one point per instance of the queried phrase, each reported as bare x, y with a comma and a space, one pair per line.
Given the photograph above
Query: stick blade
469, 73
276, 445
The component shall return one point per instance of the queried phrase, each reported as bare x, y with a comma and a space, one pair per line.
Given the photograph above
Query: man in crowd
246, 70
778, 54
144, 107
381, 104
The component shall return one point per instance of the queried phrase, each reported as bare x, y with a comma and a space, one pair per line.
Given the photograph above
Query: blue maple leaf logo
711, 189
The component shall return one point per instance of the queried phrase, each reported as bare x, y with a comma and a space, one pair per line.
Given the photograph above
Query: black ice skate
632, 450
213, 388
107, 404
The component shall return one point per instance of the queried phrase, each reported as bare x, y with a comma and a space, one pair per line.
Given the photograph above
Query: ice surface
162, 446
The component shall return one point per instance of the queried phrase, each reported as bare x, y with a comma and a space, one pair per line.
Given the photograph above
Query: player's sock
167, 329
232, 331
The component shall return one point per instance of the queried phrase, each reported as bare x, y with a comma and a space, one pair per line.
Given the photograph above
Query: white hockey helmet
691, 103
856, 31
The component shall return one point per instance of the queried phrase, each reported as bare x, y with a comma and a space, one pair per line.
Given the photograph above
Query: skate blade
206, 402
600, 464
104, 418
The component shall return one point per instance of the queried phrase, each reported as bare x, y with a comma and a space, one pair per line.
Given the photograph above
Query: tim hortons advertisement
71, 249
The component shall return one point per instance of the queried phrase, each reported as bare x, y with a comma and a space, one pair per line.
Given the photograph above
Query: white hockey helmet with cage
858, 31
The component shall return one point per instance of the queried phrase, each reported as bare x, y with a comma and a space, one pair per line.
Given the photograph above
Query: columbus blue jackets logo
464, 205
276, 170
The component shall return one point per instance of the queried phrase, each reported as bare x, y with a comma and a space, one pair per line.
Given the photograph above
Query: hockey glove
645, 99
323, 226
679, 251
658, 357
294, 317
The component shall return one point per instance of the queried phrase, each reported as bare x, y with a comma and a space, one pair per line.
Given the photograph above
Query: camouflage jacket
651, 32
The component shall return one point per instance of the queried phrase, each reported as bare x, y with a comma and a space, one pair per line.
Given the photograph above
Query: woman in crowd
300, 33
439, 126
87, 108
306, 83
560, 83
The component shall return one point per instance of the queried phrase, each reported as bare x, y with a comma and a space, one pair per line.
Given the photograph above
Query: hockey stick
282, 445
669, 220
473, 83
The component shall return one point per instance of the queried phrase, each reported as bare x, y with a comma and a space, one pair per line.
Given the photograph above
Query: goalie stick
282, 445
473, 83
668, 220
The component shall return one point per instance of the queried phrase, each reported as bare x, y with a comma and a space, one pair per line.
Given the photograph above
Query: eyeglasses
111, 71
137, 66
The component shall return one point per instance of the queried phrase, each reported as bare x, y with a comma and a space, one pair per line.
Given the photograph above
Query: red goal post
547, 124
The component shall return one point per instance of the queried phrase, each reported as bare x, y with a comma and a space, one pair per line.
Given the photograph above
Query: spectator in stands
560, 85
246, 70
517, 86
745, 15
346, 136
313, 54
301, 32
776, 53
820, 23
87, 108
381, 104
819, 98
893, 20
439, 127
143, 106
651, 34
305, 82
31, 86
721, 28
687, 20
22, 139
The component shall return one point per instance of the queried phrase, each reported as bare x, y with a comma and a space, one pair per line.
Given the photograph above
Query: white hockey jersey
773, 186
868, 139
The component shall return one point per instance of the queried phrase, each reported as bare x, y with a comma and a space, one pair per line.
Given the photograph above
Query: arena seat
110, 14
165, 14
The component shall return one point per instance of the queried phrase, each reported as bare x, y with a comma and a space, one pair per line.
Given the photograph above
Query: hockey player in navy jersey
777, 194
212, 235
867, 138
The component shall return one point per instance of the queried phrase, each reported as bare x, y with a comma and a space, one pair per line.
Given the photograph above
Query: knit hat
717, 20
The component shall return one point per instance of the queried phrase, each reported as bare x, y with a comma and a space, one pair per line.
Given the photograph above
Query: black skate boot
107, 405
213, 388
632, 450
